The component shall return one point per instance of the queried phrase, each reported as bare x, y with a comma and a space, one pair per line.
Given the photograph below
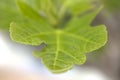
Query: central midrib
58, 33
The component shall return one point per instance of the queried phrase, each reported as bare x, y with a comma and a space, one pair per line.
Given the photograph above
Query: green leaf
28, 11
64, 47
112, 5
8, 13
50, 10
77, 7
26, 31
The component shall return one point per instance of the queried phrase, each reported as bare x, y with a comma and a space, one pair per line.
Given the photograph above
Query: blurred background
18, 63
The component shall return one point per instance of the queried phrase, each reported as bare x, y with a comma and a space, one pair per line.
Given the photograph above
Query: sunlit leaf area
59, 39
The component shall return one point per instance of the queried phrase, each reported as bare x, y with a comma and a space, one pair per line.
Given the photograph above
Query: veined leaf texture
66, 45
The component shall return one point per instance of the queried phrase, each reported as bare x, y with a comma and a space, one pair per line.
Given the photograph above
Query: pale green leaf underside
65, 47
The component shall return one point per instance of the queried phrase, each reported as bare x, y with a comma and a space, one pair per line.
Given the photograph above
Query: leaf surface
76, 7
8, 13
64, 47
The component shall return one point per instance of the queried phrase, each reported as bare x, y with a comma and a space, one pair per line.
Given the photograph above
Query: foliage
63, 25
9, 12
112, 5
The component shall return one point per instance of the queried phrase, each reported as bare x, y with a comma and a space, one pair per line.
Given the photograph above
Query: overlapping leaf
64, 47
9, 12
77, 7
